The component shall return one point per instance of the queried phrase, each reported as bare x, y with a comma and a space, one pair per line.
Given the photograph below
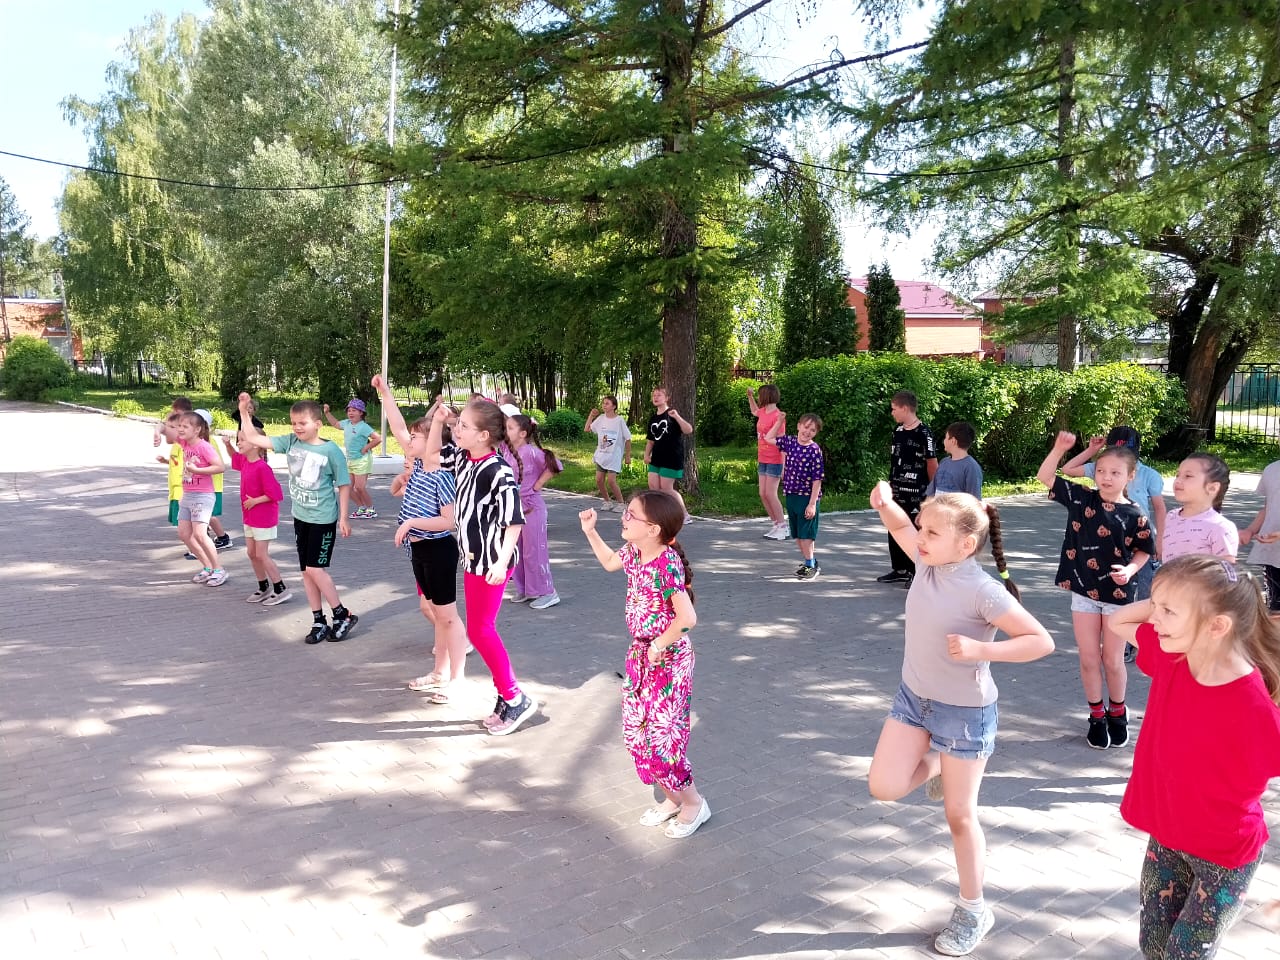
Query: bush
32, 367
126, 408
222, 421
562, 425
60, 394
725, 419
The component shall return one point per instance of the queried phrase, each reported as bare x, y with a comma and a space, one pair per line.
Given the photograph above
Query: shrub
31, 367
60, 394
222, 420
562, 425
126, 408
725, 419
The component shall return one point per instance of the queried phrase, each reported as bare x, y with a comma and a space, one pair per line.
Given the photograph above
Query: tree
817, 320
17, 251
886, 320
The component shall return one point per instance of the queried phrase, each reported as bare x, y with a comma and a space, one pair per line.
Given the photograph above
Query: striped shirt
425, 493
488, 501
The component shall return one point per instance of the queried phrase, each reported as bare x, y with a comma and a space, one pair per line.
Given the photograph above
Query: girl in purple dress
533, 467
659, 612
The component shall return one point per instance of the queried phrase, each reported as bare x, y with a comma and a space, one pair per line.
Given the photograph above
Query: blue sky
58, 48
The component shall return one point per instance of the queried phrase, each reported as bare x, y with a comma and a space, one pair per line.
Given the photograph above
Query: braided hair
663, 509
969, 516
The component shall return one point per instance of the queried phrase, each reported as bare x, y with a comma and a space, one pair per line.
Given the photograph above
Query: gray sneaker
964, 932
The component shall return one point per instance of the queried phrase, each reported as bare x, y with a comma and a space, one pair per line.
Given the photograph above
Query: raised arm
751, 399
395, 419
1075, 466
247, 429
591, 418
608, 557
435, 438
1048, 471
894, 518
332, 420
685, 425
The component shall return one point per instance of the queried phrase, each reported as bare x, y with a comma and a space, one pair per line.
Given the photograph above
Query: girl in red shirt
1210, 742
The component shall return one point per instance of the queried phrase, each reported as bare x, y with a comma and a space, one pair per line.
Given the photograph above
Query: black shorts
315, 542
435, 567
1272, 579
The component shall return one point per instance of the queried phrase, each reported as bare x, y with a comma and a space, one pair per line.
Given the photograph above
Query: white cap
206, 416
510, 409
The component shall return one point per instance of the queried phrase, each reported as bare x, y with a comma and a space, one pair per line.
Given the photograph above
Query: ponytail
688, 570
996, 535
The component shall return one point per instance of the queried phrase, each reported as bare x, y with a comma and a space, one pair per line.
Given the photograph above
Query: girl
1107, 541
358, 440
769, 458
1264, 532
488, 519
1211, 651
200, 462
664, 449
1196, 526
533, 466
425, 530
613, 449
260, 497
942, 725
655, 699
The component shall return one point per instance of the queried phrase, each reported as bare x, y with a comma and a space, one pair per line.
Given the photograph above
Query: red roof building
938, 322
46, 319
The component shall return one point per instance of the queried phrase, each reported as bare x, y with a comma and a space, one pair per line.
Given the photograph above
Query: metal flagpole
386, 232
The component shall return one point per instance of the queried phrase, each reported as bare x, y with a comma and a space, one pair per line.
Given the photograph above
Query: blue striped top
424, 494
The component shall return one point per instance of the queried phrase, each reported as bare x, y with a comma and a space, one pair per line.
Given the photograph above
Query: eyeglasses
628, 516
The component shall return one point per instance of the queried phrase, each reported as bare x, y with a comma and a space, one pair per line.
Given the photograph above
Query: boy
913, 460
801, 484
316, 468
167, 430
958, 472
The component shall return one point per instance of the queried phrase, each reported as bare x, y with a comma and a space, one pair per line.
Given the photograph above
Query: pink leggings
483, 602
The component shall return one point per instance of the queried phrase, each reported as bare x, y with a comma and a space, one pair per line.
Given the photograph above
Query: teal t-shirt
355, 436
316, 470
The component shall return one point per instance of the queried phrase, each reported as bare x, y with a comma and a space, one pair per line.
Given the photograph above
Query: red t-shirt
766, 451
1203, 760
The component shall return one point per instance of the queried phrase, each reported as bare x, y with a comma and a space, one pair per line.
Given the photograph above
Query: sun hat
510, 409
357, 403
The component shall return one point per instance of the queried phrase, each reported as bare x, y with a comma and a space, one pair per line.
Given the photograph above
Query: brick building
938, 322
40, 318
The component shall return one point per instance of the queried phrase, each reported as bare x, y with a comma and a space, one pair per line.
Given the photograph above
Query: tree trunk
1068, 331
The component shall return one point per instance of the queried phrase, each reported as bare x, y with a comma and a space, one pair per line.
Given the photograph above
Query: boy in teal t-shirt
319, 487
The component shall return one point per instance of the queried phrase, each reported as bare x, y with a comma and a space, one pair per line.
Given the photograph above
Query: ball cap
206, 416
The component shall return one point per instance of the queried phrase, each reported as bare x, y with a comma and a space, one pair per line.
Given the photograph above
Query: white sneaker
258, 596
550, 600
204, 574
275, 598
217, 578
606, 506
778, 532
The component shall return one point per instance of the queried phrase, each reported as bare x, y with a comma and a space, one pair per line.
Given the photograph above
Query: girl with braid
941, 727
534, 466
659, 686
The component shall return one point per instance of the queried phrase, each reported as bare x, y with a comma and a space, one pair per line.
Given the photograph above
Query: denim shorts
967, 733
1082, 604
769, 469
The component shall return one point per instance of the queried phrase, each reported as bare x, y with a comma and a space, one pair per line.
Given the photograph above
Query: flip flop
439, 696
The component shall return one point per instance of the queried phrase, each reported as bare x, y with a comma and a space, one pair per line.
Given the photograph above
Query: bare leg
320, 587
611, 483
256, 549
1088, 631
769, 497
1113, 662
668, 484
602, 484
960, 782
902, 761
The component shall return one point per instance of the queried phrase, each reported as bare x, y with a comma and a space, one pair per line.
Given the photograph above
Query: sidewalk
183, 777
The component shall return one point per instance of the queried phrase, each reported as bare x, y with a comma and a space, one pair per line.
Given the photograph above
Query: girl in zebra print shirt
489, 522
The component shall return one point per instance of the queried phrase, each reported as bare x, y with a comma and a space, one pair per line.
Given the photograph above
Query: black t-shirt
668, 442
909, 454
1098, 536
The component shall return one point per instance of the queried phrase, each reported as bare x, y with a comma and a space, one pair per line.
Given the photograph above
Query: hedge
32, 368
1014, 410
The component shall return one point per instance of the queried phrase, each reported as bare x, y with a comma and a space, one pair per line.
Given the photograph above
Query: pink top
649, 589
1205, 532
198, 453
257, 479
1203, 759
766, 450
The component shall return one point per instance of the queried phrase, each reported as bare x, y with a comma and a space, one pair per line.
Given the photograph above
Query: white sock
973, 906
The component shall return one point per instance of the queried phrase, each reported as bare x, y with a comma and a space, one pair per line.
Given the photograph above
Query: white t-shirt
612, 435
1269, 487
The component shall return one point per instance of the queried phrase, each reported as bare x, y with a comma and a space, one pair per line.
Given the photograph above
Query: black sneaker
809, 573
223, 542
319, 632
1118, 728
800, 570
513, 715
1130, 653
1098, 736
189, 556
893, 576
343, 627
906, 584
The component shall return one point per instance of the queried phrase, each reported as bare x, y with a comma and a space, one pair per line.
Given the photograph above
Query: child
659, 685
957, 472
768, 457
664, 448
200, 463
167, 429
913, 460
1211, 651
221, 539
533, 467
260, 497
489, 521
1195, 525
941, 727
613, 449
1107, 541
801, 484
425, 531
358, 440
1264, 532
320, 490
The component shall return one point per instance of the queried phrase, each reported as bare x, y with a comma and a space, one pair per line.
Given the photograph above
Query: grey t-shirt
951, 598
956, 476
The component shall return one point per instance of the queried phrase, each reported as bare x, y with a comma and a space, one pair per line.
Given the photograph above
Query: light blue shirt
1146, 484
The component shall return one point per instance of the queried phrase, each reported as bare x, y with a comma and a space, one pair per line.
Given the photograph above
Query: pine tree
886, 321
817, 320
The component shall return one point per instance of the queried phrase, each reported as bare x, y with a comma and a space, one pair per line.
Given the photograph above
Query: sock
1095, 710
811, 562
317, 616
973, 906
208, 569
278, 586
262, 586
1117, 708
340, 612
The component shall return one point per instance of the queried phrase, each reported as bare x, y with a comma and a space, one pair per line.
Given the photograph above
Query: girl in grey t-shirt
941, 727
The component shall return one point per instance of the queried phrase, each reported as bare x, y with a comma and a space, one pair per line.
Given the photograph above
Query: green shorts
173, 513
360, 466
802, 528
666, 472
217, 504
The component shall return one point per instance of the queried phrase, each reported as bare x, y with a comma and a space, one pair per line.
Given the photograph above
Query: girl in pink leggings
489, 521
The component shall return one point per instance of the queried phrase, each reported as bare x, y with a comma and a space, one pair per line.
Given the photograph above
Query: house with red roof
938, 322
30, 317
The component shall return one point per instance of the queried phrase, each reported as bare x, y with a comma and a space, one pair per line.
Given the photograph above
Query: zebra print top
488, 501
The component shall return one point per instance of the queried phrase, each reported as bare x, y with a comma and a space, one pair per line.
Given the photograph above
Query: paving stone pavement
183, 777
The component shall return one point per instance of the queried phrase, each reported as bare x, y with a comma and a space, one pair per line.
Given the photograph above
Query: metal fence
1250, 404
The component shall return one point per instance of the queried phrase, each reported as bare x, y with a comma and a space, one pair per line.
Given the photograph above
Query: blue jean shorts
968, 733
1083, 604
769, 469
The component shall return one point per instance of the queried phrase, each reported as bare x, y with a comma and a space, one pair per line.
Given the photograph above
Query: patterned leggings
1187, 903
655, 713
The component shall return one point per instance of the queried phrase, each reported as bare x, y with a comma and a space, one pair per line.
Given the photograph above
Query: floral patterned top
649, 589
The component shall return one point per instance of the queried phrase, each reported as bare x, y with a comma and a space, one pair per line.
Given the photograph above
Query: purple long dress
532, 572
